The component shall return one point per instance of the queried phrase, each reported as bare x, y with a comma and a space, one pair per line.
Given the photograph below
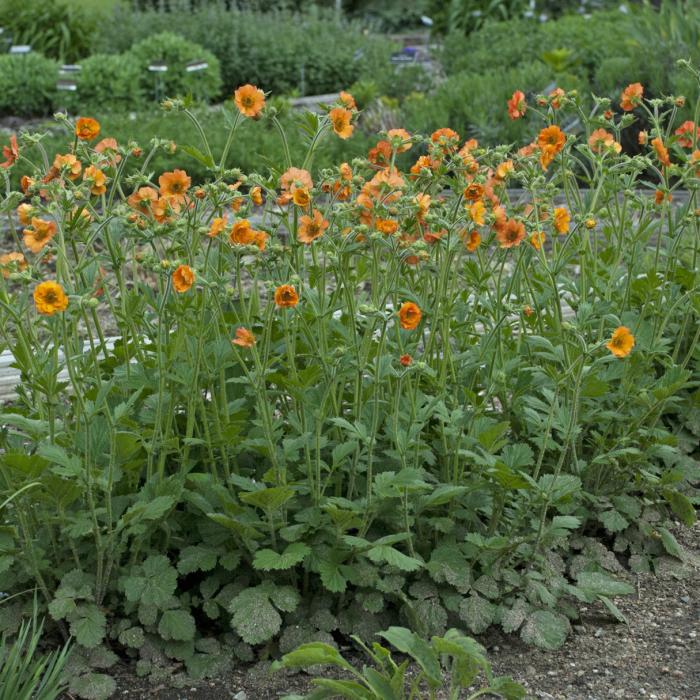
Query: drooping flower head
661, 152
12, 262
244, 338
341, 119
10, 153
517, 105
688, 134
562, 218
96, 179
631, 96
183, 278
551, 141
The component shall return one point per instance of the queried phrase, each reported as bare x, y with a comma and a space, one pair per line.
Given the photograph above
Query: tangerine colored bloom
688, 133
69, 164
423, 202
473, 191
301, 197
504, 169
517, 105
423, 163
400, 139
49, 298
311, 228
11, 262
260, 239
621, 342
163, 208
660, 196
602, 140
562, 219
286, 296
477, 211
38, 235
555, 97
642, 138
183, 278
10, 152
447, 138
109, 146
473, 242
380, 154
340, 119
174, 185
406, 360
528, 310
241, 233
142, 199
537, 239
348, 100
409, 315
96, 178
551, 141
256, 196
24, 213
386, 226
511, 233
244, 338
87, 128
631, 96
249, 100
661, 151
217, 226
293, 178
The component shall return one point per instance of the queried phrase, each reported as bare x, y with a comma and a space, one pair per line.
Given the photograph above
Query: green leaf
269, 499
89, 628
269, 560
409, 643
196, 558
612, 521
392, 556
601, 584
545, 629
477, 612
331, 577
671, 544
205, 160
177, 625
682, 507
311, 654
93, 686
612, 608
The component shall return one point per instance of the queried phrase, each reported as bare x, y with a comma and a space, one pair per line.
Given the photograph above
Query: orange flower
244, 338
661, 151
142, 199
38, 235
504, 169
477, 212
386, 226
555, 97
423, 202
24, 214
348, 100
423, 163
295, 178
11, 262
380, 154
50, 298
10, 152
562, 218
217, 226
311, 228
473, 191
87, 128
241, 233
473, 242
688, 133
447, 139
96, 178
517, 105
551, 141
69, 164
340, 119
621, 342
109, 146
256, 196
660, 196
631, 96
405, 360
183, 278
260, 239
511, 233
249, 100
642, 138
601, 140
174, 185
409, 315
400, 139
537, 239
163, 209
286, 296
301, 197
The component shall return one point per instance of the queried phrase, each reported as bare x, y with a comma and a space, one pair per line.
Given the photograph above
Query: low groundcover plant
441, 386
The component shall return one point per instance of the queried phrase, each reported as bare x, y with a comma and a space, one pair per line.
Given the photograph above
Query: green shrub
27, 85
176, 53
108, 82
62, 31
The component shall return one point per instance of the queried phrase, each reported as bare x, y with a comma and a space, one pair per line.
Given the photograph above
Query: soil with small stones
656, 656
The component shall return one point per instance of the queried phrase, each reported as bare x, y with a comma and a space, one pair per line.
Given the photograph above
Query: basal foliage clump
287, 406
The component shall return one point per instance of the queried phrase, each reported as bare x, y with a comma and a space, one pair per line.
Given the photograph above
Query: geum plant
434, 386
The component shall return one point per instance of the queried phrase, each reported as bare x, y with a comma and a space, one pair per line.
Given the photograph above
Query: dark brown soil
655, 657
